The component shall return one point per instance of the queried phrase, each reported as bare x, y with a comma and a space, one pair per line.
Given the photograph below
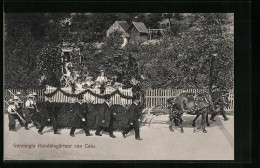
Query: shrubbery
65, 114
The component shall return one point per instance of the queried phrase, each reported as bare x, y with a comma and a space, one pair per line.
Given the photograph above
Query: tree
196, 52
22, 37
110, 57
49, 63
186, 59
149, 19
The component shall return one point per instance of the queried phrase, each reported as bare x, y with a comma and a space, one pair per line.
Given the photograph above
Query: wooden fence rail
8, 93
153, 97
158, 97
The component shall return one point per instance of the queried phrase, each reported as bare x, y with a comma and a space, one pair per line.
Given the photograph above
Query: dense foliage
198, 56
196, 51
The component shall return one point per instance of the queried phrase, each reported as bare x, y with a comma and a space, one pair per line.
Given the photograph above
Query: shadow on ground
187, 120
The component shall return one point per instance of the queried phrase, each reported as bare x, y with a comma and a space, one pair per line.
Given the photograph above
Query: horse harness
196, 98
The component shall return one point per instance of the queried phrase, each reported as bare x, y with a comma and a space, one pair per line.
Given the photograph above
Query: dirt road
158, 144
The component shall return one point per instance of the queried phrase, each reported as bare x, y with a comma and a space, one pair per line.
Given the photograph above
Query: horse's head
170, 102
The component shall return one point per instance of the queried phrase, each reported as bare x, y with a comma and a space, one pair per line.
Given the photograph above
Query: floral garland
88, 91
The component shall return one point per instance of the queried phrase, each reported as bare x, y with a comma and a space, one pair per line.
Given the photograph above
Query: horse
216, 97
191, 103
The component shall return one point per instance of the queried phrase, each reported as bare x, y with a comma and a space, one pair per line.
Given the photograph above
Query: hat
18, 93
30, 95
34, 94
16, 98
10, 100
89, 77
102, 70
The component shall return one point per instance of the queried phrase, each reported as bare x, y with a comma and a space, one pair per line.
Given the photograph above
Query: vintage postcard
118, 86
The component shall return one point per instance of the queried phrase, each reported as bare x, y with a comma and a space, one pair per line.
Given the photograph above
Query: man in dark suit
79, 119
105, 118
47, 115
31, 112
221, 103
134, 119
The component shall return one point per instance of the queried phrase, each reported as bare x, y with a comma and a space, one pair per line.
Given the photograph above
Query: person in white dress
66, 67
78, 84
102, 78
89, 81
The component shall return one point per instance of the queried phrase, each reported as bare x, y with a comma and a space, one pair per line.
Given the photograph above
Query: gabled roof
164, 21
126, 35
123, 24
140, 27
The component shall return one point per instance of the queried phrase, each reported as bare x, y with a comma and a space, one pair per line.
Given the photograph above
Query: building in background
138, 33
120, 26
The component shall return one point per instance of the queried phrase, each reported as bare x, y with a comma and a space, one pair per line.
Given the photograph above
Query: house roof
140, 26
126, 35
164, 21
123, 24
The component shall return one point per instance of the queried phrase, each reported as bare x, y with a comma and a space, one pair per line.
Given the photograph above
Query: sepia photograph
118, 86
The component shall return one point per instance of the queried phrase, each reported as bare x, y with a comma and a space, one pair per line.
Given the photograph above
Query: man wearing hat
89, 81
12, 116
79, 118
220, 104
18, 107
134, 119
47, 116
37, 115
30, 111
105, 118
20, 103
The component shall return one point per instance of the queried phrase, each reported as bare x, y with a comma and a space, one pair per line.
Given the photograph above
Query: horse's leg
207, 119
198, 114
175, 121
203, 121
180, 124
182, 131
193, 122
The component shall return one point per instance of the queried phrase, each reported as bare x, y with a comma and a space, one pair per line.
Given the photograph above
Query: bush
64, 112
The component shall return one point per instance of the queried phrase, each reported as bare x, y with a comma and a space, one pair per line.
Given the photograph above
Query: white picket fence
8, 93
153, 98
158, 97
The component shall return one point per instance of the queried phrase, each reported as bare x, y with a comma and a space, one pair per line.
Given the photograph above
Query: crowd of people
80, 80
39, 119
